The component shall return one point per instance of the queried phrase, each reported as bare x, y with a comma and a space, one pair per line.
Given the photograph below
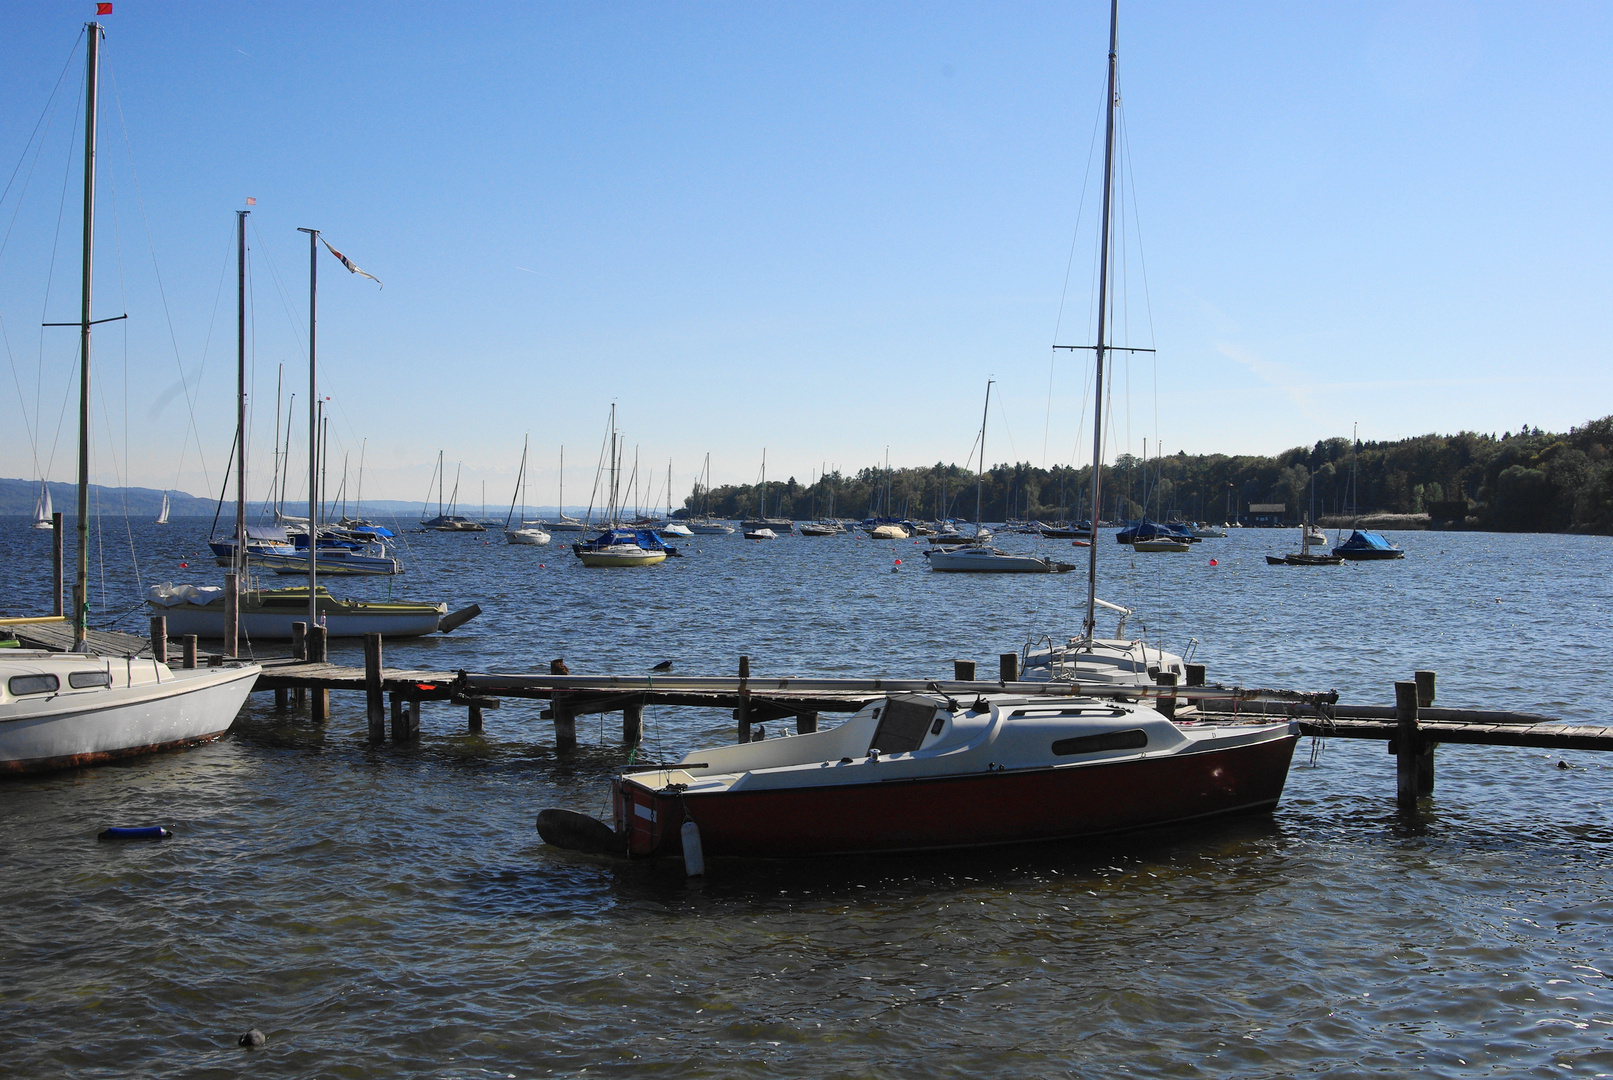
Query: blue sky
815, 228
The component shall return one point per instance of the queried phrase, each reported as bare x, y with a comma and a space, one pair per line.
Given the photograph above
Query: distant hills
17, 497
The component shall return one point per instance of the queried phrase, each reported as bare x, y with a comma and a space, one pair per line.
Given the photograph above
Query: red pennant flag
103, 9
250, 201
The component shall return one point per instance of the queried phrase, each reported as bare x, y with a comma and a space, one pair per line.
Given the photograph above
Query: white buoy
694, 860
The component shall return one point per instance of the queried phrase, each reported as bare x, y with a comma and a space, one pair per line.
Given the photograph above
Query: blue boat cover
1147, 530
644, 538
1366, 540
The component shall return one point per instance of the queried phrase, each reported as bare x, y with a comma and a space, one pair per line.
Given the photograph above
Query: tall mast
980, 478
81, 581
238, 563
313, 424
1090, 629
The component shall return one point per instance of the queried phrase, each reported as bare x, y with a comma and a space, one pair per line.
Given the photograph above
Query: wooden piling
633, 723
232, 615
963, 670
565, 724
375, 706
188, 643
405, 718
1008, 667
299, 640
1406, 745
159, 638
806, 723
473, 720
1425, 688
1166, 703
317, 642
281, 698
56, 560
742, 714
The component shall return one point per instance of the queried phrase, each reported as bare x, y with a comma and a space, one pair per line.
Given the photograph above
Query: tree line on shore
1524, 481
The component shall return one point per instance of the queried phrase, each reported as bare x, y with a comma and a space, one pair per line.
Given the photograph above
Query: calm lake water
390, 911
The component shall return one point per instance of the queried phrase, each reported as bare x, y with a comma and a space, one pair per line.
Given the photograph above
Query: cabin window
80, 680
33, 684
903, 727
1130, 739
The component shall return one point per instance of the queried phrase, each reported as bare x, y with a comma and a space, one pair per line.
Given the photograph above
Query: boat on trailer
928, 772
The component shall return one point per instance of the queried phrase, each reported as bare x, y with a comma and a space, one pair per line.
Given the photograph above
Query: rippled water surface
390, 911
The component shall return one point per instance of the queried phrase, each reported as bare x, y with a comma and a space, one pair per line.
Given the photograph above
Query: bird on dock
558, 667
665, 665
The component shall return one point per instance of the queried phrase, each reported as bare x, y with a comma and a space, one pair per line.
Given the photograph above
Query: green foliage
1532, 481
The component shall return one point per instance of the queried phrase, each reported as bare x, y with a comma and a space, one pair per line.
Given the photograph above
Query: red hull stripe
976, 810
78, 761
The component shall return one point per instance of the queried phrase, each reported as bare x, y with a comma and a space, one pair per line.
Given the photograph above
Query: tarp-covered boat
1367, 545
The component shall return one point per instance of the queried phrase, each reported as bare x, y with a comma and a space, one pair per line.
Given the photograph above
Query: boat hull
79, 728
621, 558
1368, 554
1006, 806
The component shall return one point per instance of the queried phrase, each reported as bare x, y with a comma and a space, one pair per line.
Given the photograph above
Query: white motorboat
67, 710
1208, 532
1311, 534
760, 534
530, 532
888, 532
676, 528
710, 528
925, 771
981, 559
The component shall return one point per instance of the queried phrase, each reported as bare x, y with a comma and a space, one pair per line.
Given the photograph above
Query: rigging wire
156, 269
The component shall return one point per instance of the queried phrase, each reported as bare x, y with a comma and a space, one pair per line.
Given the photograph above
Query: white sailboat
524, 532
703, 525
162, 515
977, 557
42, 509
562, 521
65, 710
1087, 657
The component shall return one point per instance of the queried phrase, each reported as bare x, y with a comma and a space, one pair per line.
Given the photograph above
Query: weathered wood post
405, 717
473, 720
280, 698
1166, 703
742, 714
1425, 759
1008, 667
56, 560
318, 644
375, 705
1406, 745
565, 723
188, 644
1195, 677
963, 670
299, 641
232, 615
159, 638
806, 723
633, 723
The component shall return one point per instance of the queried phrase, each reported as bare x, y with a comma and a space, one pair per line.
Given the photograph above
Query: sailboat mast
1090, 630
81, 580
980, 477
238, 560
313, 425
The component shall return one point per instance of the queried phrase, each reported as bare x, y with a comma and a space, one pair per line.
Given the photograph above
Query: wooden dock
1412, 728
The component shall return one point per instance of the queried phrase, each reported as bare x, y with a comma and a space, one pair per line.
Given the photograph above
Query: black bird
665, 665
558, 667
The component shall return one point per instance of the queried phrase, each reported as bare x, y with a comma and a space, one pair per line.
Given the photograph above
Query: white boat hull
527, 536
636, 557
984, 560
148, 708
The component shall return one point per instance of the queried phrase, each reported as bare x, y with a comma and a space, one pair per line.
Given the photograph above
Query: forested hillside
1524, 481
